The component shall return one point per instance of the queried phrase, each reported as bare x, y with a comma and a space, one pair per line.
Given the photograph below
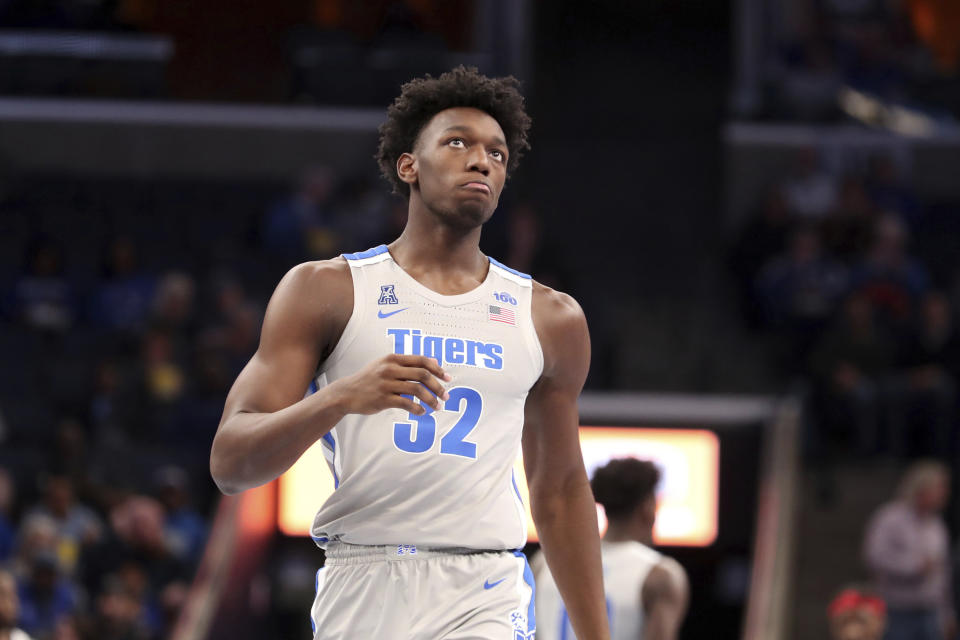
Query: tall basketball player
646, 592
430, 363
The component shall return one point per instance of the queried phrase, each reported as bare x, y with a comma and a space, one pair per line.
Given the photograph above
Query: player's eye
457, 143
498, 155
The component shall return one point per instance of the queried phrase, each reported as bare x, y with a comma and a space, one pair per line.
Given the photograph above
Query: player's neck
428, 244
627, 532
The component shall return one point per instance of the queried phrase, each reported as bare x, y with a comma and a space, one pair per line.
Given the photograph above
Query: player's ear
407, 168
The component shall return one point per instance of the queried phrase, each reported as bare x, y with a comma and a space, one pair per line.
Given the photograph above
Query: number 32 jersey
444, 479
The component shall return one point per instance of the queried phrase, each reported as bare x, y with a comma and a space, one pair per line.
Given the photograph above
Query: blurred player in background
428, 361
646, 592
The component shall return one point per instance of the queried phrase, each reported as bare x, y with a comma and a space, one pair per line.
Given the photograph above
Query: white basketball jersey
444, 479
626, 566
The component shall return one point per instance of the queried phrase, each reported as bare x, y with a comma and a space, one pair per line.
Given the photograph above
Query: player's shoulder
555, 307
667, 576
317, 275
315, 288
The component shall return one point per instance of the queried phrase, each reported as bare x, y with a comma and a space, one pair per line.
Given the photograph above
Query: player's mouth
477, 186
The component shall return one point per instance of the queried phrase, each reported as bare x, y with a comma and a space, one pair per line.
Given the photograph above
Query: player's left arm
560, 497
664, 599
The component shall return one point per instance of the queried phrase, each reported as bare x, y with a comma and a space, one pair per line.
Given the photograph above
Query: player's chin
472, 212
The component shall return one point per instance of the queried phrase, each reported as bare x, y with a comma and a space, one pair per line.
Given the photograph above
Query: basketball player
427, 360
646, 592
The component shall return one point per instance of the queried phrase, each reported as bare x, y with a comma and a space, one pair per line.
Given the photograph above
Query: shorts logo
490, 585
387, 295
521, 630
406, 549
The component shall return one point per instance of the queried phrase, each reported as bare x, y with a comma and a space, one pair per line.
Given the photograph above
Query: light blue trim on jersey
528, 578
313, 388
513, 479
328, 440
369, 253
506, 268
316, 592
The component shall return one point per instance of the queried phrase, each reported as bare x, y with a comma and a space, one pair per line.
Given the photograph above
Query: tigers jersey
443, 479
626, 566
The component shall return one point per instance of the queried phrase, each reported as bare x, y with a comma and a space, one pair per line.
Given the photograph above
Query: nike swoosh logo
381, 314
490, 585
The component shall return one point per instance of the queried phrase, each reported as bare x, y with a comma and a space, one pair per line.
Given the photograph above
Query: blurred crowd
120, 348
828, 270
897, 51
906, 555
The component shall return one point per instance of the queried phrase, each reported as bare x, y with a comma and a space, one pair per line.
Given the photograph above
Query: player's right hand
384, 383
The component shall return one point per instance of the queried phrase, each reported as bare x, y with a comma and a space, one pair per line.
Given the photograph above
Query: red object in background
937, 24
851, 600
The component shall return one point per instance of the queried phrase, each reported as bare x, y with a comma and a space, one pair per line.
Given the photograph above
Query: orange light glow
258, 510
687, 497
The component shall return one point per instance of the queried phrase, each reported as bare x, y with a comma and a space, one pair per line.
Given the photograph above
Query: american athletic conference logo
387, 295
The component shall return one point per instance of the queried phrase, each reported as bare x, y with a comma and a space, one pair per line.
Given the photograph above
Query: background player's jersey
626, 566
444, 479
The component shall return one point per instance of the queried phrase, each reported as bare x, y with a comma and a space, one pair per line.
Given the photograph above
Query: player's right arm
664, 598
267, 423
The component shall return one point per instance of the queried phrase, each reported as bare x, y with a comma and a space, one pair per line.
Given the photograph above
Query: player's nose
478, 160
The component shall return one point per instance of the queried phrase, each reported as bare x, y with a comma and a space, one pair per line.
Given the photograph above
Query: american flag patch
499, 314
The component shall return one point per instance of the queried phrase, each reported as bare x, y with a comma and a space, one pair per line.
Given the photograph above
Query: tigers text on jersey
626, 566
443, 479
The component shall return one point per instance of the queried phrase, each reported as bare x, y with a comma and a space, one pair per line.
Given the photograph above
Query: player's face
461, 165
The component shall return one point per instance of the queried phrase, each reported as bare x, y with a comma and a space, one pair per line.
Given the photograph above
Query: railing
773, 552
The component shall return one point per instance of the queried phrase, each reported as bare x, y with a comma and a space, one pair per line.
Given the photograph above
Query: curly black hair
624, 484
422, 98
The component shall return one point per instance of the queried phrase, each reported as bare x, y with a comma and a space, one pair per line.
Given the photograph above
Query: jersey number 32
463, 400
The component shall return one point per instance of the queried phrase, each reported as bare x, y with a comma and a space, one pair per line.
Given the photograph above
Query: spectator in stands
930, 357
762, 238
119, 614
809, 88
7, 531
848, 228
305, 225
173, 304
136, 538
810, 191
889, 191
68, 456
527, 247
165, 377
892, 280
66, 629
37, 534
907, 551
114, 404
46, 596
43, 298
850, 365
185, 529
10, 609
77, 525
122, 301
857, 614
799, 291
361, 210
235, 338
